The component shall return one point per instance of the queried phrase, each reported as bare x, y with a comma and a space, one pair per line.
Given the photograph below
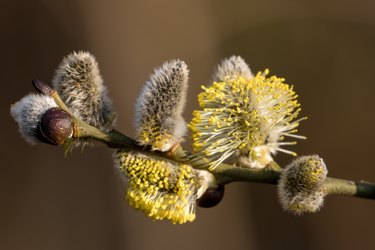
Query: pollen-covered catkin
27, 113
300, 187
161, 189
80, 86
159, 107
247, 119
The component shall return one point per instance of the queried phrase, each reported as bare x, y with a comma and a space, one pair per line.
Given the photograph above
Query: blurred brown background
325, 48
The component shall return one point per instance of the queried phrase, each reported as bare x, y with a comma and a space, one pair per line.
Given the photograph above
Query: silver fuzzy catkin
80, 86
27, 113
158, 109
231, 68
300, 186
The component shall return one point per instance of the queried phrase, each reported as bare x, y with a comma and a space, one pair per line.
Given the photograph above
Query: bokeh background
325, 48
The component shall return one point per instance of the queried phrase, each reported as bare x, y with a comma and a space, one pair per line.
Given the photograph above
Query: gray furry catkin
27, 113
300, 185
80, 86
159, 107
231, 68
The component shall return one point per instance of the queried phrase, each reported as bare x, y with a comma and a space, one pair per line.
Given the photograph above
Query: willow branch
224, 173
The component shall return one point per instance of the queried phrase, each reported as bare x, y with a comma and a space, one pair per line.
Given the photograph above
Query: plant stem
345, 187
224, 173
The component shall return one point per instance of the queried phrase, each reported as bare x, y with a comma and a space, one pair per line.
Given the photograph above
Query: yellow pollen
159, 188
241, 114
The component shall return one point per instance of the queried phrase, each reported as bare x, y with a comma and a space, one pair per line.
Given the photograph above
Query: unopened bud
42, 87
211, 197
56, 126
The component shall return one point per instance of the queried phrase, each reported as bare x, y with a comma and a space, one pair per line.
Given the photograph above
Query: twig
224, 173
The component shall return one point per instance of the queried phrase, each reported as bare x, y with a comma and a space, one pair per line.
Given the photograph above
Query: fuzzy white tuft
80, 85
27, 113
231, 68
159, 107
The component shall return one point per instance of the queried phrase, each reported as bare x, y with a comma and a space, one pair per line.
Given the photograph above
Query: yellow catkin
240, 115
159, 188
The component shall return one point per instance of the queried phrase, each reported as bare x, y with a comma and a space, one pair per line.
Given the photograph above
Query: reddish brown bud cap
55, 127
211, 197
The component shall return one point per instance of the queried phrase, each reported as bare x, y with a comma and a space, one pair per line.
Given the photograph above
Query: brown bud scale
42, 87
56, 126
211, 197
